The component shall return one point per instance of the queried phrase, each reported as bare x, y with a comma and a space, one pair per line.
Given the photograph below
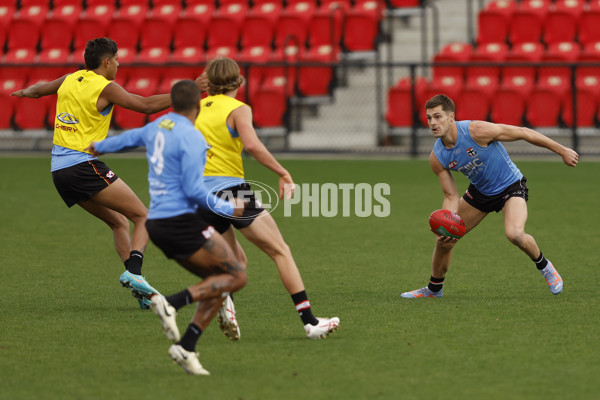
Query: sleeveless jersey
78, 122
224, 155
489, 169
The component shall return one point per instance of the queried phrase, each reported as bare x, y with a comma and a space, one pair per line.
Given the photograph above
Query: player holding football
226, 123
86, 100
176, 154
474, 148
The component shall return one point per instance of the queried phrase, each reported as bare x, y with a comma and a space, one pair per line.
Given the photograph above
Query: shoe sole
136, 293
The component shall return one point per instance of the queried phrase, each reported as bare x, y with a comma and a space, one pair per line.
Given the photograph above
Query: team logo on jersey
471, 152
110, 174
67, 118
452, 164
208, 104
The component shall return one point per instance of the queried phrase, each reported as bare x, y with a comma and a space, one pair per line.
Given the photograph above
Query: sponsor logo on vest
67, 118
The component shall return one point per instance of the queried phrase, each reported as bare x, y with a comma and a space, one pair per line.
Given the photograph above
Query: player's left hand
570, 157
92, 149
445, 240
202, 82
286, 186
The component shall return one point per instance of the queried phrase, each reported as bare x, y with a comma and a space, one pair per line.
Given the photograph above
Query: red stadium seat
400, 104
128, 119
268, 9
155, 32
589, 27
508, 106
54, 56
257, 30
7, 105
559, 52
405, 3
236, 11
487, 53
285, 57
574, 7
317, 80
523, 53
23, 35
483, 84
20, 56
33, 14
325, 29
201, 12
302, 8
223, 31
56, 34
87, 28
126, 32
221, 51
525, 25
134, 13
188, 39
560, 26
545, 102
492, 25
472, 103
453, 52
587, 105
7, 12
589, 55
269, 104
257, 57
362, 27
68, 13
166, 11
102, 13
31, 113
291, 29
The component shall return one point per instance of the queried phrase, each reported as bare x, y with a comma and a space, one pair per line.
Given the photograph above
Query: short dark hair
441, 100
185, 95
98, 49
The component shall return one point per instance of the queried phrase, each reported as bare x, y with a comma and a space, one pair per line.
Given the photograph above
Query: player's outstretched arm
485, 132
242, 121
40, 89
114, 93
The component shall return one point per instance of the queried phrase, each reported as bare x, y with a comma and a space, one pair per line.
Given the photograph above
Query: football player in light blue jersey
474, 148
176, 153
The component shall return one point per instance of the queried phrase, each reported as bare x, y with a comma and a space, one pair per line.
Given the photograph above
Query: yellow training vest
224, 155
78, 122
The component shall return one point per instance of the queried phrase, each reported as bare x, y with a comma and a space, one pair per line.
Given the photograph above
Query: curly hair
223, 75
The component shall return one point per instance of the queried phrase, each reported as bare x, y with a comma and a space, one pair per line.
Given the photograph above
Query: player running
226, 123
474, 148
176, 154
84, 109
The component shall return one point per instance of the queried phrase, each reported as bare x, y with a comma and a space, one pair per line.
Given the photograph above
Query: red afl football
446, 223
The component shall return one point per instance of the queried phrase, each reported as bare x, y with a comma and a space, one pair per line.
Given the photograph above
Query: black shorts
81, 181
496, 202
181, 236
251, 211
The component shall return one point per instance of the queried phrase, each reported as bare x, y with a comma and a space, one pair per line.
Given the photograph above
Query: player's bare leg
265, 234
215, 262
515, 217
105, 206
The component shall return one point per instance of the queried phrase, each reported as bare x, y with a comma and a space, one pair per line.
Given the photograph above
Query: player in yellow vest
83, 112
226, 124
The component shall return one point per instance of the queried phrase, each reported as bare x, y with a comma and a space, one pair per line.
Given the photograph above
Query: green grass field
69, 331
